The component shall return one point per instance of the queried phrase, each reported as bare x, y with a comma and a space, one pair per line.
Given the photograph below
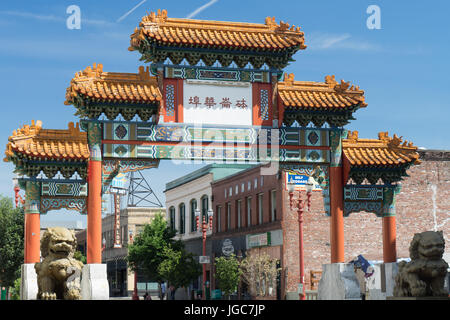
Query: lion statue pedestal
59, 274
424, 275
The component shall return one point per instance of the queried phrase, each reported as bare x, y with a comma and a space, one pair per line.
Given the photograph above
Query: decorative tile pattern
78, 204
264, 110
367, 206
170, 100
363, 193
199, 73
121, 132
74, 189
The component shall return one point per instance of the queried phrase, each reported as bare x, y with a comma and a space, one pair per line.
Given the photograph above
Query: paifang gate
212, 91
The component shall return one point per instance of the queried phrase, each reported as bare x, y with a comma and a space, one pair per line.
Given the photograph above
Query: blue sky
403, 67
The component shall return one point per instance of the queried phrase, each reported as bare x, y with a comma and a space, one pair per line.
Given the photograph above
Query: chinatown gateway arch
212, 91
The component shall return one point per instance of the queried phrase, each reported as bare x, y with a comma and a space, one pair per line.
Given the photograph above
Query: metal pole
204, 226
300, 235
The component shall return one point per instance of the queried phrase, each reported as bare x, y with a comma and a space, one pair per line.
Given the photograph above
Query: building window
249, 211
256, 183
242, 187
205, 207
249, 186
172, 218
193, 206
225, 192
262, 181
273, 205
219, 218
237, 189
231, 191
260, 208
228, 216
238, 209
182, 211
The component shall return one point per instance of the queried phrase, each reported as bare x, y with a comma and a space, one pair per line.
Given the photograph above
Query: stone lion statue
59, 273
425, 274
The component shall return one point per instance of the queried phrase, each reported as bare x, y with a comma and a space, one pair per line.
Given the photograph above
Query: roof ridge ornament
95, 71
343, 86
352, 136
152, 17
281, 27
330, 80
289, 79
144, 73
28, 130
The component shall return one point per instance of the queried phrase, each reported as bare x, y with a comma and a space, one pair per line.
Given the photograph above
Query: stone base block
94, 283
29, 284
292, 296
338, 282
381, 284
419, 298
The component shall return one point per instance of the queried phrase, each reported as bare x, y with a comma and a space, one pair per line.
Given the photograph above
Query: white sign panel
204, 259
217, 102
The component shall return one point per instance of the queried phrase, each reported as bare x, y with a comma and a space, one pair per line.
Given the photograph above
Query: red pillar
337, 215
32, 237
389, 239
94, 219
32, 223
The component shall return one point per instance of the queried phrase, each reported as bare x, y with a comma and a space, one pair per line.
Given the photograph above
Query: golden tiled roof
321, 95
33, 141
384, 151
113, 86
188, 32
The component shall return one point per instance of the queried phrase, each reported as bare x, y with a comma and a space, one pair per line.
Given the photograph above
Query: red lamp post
300, 204
204, 227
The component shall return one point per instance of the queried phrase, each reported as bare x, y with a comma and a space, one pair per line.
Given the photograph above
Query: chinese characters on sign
216, 103
225, 103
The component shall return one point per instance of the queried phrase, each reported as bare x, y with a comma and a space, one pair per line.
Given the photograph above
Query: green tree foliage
179, 267
11, 241
228, 274
160, 257
15, 293
79, 256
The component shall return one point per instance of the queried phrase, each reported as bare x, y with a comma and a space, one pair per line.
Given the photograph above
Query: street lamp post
300, 204
204, 228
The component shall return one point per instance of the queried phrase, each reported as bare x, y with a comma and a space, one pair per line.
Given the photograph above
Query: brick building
247, 209
423, 204
240, 200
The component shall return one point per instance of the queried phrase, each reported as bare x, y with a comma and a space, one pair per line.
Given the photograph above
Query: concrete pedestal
29, 284
338, 282
381, 284
94, 283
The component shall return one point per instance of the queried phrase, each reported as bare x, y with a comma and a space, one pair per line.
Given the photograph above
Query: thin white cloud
53, 18
200, 9
325, 41
129, 12
33, 16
